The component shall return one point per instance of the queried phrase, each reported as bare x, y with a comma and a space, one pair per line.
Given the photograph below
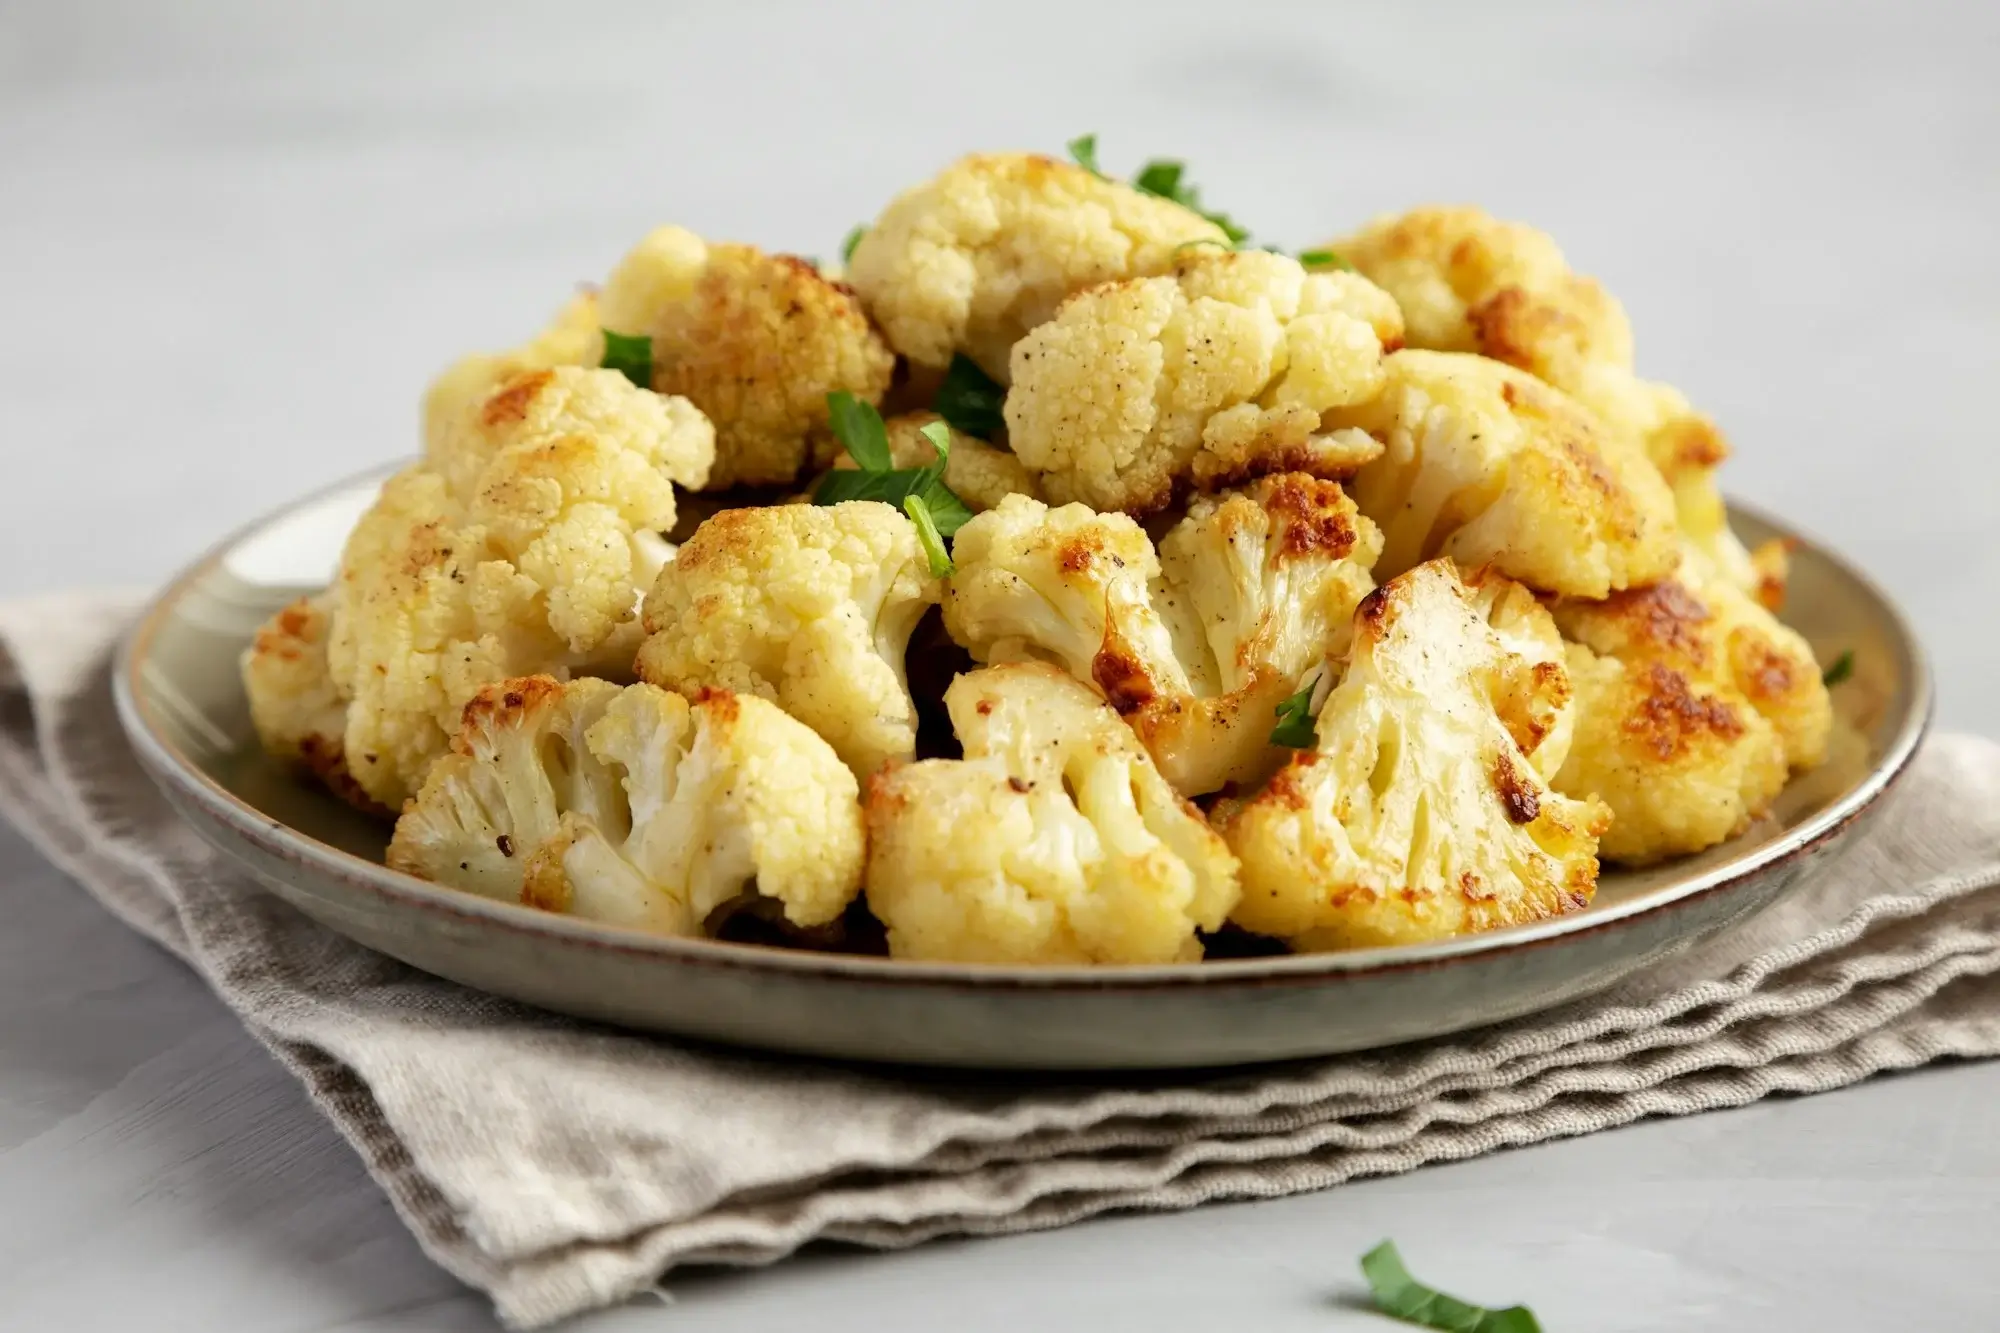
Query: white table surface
236, 238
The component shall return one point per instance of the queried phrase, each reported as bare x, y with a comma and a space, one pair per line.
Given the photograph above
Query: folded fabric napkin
560, 1166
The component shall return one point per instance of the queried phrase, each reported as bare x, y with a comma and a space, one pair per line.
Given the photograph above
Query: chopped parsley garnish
1842, 668
1296, 726
853, 239
928, 535
631, 355
969, 398
1083, 151
1163, 177
1401, 1296
1324, 259
858, 427
915, 490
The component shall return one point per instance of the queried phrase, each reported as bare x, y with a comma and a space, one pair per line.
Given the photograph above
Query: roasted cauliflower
978, 473
1486, 464
811, 607
973, 259
299, 715
635, 806
456, 394
755, 341
1217, 373
1693, 707
524, 548
1416, 816
1195, 646
1054, 840
1468, 282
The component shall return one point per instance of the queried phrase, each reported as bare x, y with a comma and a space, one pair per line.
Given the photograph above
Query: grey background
235, 239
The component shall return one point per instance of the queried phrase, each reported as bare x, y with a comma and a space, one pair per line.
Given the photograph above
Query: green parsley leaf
631, 355
1324, 259
858, 427
1296, 725
1401, 1296
928, 534
939, 434
1083, 151
1166, 178
853, 239
1162, 176
947, 510
1842, 668
969, 398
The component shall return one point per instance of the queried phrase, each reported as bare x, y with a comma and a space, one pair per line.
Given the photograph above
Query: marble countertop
235, 239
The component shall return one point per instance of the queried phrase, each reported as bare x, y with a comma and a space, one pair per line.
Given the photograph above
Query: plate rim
173, 770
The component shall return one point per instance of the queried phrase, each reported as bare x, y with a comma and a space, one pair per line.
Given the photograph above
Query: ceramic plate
180, 699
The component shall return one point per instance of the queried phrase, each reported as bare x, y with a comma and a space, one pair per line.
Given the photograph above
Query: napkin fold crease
559, 1166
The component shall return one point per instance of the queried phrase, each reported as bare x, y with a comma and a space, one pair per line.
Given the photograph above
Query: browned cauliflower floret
810, 606
1197, 646
1469, 282
1054, 840
524, 548
755, 341
1221, 372
636, 807
1693, 706
1490, 466
978, 473
1415, 816
299, 715
972, 260
456, 394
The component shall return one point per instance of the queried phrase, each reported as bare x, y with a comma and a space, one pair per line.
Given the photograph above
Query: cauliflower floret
756, 341
299, 715
972, 260
569, 340
1054, 840
809, 606
1221, 372
1694, 704
978, 473
1490, 466
635, 806
1197, 646
1537, 703
1416, 816
1469, 282
535, 562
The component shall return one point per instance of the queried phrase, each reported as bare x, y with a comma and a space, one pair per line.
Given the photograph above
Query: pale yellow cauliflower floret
978, 473
569, 340
299, 715
636, 807
534, 562
809, 606
1196, 646
1694, 705
1221, 372
970, 261
756, 341
1054, 840
1469, 282
1488, 465
1416, 815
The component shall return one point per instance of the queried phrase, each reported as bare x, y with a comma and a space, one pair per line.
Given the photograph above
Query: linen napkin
560, 1166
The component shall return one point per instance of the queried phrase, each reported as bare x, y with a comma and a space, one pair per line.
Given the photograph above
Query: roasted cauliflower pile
1059, 579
